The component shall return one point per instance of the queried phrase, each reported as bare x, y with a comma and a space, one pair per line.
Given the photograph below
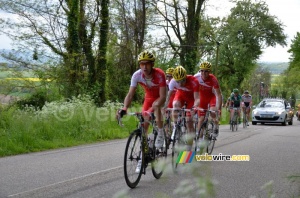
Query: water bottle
173, 133
151, 140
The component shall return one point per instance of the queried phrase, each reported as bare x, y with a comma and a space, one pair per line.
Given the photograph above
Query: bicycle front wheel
133, 155
210, 140
177, 145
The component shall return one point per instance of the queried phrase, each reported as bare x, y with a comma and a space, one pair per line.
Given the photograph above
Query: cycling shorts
183, 98
204, 102
247, 104
148, 104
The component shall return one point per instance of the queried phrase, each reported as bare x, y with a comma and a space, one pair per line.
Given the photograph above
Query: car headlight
255, 113
279, 112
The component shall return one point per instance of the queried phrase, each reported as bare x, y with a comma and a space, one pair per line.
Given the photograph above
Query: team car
273, 110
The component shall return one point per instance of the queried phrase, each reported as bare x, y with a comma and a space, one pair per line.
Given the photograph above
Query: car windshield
265, 104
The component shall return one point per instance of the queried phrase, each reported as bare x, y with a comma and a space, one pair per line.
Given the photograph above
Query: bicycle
206, 130
234, 121
245, 120
179, 137
137, 149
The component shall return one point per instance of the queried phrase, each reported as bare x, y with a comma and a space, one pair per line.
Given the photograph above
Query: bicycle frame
179, 135
205, 132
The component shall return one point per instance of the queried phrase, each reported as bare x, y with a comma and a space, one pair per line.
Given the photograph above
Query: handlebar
139, 115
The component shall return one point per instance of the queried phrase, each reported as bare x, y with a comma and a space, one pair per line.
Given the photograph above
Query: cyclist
235, 102
169, 73
210, 95
187, 94
153, 82
247, 103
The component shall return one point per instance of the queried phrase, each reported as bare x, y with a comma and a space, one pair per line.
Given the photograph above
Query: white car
272, 110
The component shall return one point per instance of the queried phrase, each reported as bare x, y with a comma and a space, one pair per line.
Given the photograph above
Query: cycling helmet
146, 56
205, 66
179, 73
246, 92
170, 71
235, 90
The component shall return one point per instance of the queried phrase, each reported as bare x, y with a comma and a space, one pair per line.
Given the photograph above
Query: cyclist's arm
196, 99
129, 97
219, 99
170, 93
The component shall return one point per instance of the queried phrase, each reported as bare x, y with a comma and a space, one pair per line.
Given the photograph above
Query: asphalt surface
97, 170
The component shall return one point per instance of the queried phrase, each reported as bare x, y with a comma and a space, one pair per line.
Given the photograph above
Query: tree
244, 33
70, 29
293, 71
182, 20
127, 39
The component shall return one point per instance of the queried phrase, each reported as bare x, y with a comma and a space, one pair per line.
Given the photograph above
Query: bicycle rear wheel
232, 125
159, 154
236, 123
133, 153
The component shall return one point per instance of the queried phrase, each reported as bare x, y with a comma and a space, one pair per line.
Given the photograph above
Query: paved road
96, 170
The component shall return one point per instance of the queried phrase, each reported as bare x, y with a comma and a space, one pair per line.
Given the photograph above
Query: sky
286, 11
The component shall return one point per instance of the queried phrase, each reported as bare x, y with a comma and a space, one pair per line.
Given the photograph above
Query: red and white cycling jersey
189, 88
185, 93
150, 86
207, 91
170, 105
207, 86
247, 98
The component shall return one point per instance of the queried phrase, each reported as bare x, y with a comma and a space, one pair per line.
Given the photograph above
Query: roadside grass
59, 124
63, 124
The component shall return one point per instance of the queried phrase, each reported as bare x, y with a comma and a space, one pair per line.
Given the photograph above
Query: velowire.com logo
188, 156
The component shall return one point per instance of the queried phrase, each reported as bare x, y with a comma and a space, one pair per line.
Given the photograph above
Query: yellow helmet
170, 70
205, 66
146, 56
179, 73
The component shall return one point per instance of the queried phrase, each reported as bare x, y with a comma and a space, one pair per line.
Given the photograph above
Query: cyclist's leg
199, 139
156, 107
189, 123
239, 114
248, 114
212, 104
201, 115
231, 114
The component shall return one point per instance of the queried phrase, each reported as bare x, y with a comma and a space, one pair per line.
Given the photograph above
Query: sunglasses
206, 71
168, 76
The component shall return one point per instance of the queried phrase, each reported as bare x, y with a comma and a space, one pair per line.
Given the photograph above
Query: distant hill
274, 67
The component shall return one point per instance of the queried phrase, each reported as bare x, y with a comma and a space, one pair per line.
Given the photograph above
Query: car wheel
254, 123
284, 122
